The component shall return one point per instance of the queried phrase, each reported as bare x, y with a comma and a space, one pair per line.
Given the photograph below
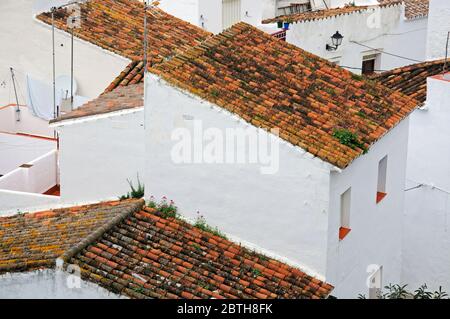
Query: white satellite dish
63, 86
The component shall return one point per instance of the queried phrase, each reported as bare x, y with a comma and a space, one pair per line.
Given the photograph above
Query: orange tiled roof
117, 26
31, 241
132, 74
328, 13
148, 255
122, 98
272, 84
136, 251
413, 8
411, 80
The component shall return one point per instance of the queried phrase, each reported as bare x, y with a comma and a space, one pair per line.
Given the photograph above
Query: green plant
356, 77
136, 192
201, 224
348, 138
166, 208
256, 272
401, 292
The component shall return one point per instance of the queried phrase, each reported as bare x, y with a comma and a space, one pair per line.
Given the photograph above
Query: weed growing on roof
197, 247
201, 224
256, 272
348, 138
356, 77
361, 114
136, 192
214, 92
166, 208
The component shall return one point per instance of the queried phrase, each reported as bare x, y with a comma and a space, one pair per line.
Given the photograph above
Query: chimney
438, 28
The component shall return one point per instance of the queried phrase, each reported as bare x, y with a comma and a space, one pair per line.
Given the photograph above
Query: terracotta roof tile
160, 257
272, 84
411, 80
122, 98
117, 26
30, 241
413, 8
329, 13
136, 251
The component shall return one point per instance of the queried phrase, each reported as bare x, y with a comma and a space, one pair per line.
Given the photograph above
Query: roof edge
134, 207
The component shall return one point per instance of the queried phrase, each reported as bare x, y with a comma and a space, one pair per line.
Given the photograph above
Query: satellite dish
63, 86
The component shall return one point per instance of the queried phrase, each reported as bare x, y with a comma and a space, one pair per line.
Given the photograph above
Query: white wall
438, 28
98, 156
285, 213
382, 29
207, 14
375, 236
187, 10
12, 202
39, 178
16, 150
27, 47
426, 241
28, 123
48, 284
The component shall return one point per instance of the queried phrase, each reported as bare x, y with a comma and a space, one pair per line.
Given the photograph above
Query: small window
345, 214
369, 64
375, 283
382, 175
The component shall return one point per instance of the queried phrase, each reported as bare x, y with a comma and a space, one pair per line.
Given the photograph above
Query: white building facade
427, 208
376, 39
297, 212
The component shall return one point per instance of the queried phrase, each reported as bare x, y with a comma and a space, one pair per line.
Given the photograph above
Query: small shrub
200, 223
401, 292
167, 209
348, 138
136, 192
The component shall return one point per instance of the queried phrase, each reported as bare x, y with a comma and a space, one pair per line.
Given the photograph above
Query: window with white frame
345, 208
382, 179
370, 64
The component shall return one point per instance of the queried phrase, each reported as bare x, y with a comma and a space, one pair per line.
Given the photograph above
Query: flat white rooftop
16, 150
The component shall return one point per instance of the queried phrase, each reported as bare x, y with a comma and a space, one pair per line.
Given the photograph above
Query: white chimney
438, 28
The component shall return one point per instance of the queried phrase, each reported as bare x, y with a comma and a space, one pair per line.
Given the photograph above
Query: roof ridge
310, 15
133, 208
408, 67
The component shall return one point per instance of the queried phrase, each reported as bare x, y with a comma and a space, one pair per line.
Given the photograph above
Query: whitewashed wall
285, 213
16, 150
39, 178
208, 13
28, 49
12, 202
381, 29
438, 28
426, 241
28, 123
376, 229
98, 156
48, 284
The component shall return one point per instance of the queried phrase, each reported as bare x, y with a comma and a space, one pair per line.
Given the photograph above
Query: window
369, 64
346, 198
375, 282
382, 174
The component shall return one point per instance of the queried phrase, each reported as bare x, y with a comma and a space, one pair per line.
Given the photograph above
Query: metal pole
145, 63
145, 37
446, 53
15, 92
71, 68
55, 113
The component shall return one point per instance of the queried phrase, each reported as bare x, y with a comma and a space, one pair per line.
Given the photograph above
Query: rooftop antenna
13, 77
